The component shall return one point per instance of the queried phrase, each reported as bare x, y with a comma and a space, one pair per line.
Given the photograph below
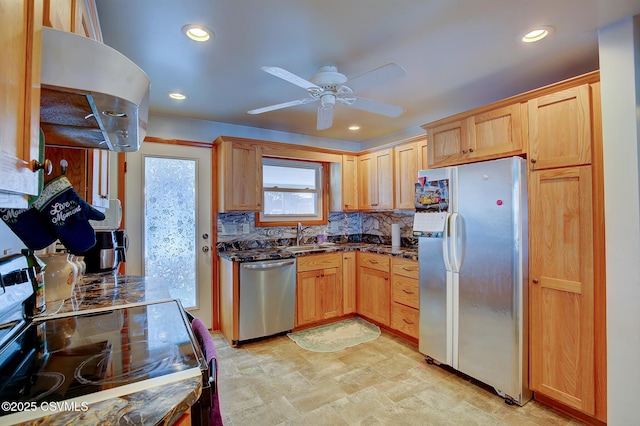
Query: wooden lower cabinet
349, 279
561, 286
319, 293
405, 313
374, 287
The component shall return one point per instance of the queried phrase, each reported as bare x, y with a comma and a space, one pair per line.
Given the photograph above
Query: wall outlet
376, 224
245, 228
333, 226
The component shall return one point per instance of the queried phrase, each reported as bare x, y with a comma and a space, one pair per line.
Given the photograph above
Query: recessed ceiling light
354, 127
177, 96
537, 34
197, 32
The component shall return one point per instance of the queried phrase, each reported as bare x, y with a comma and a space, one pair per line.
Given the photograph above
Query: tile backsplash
372, 226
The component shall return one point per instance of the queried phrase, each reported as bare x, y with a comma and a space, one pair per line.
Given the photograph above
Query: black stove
86, 356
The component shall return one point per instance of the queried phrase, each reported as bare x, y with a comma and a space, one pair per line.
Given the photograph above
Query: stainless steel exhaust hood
92, 96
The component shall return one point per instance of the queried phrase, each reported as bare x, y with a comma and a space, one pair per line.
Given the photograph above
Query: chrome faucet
298, 234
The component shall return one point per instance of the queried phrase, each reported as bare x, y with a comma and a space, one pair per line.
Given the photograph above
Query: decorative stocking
69, 215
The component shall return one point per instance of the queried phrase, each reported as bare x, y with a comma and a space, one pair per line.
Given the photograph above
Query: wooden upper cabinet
349, 187
446, 143
487, 135
423, 156
73, 16
560, 128
496, 133
239, 176
406, 174
20, 36
561, 286
375, 180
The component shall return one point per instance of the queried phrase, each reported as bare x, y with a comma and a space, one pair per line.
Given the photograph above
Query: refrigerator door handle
446, 245
454, 242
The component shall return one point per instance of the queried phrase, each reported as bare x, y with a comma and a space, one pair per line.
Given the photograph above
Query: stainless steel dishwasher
267, 298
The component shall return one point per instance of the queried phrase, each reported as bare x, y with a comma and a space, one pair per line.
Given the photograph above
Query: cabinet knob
464, 151
46, 166
258, 204
535, 281
533, 161
470, 149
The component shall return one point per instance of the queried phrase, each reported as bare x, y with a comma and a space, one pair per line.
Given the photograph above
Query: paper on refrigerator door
427, 224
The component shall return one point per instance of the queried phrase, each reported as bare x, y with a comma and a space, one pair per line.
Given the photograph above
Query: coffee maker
111, 242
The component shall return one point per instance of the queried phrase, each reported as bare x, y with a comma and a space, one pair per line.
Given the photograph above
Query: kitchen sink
308, 248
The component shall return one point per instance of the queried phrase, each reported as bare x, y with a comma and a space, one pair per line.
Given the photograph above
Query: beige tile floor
383, 382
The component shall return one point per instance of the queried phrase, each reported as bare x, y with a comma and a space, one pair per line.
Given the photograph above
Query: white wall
620, 83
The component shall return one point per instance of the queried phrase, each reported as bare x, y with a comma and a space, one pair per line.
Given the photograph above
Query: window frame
323, 196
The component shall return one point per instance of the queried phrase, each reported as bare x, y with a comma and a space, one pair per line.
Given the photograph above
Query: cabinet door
406, 174
308, 301
59, 14
561, 286
240, 176
374, 297
423, 155
330, 293
447, 143
560, 129
495, 133
384, 177
349, 282
349, 190
20, 37
367, 185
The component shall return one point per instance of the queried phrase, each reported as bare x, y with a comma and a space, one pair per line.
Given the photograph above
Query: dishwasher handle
264, 265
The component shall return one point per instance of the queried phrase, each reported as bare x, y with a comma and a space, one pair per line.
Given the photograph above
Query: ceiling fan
327, 85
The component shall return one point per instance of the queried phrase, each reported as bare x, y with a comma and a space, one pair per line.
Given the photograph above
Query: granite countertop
159, 405
273, 253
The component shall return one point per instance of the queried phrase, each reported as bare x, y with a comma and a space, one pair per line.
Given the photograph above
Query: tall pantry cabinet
566, 254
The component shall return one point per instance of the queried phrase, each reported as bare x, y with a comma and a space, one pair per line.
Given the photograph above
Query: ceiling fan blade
325, 117
282, 105
291, 78
376, 107
377, 76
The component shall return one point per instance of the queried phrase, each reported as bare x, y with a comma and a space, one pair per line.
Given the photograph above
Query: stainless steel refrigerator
471, 221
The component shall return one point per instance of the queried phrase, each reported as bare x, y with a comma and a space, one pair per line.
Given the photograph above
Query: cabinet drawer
405, 291
405, 267
318, 261
405, 319
379, 262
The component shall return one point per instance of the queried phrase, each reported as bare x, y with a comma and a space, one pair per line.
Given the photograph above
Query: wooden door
20, 37
374, 297
240, 177
406, 175
384, 179
560, 128
349, 282
349, 182
447, 143
308, 302
330, 292
561, 286
367, 190
496, 133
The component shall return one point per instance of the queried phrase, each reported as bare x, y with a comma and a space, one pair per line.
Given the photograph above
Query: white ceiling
458, 54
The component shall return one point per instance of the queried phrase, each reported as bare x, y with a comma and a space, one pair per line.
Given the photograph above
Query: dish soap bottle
36, 266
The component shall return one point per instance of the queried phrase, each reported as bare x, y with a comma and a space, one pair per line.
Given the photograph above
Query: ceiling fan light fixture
328, 101
537, 34
197, 32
